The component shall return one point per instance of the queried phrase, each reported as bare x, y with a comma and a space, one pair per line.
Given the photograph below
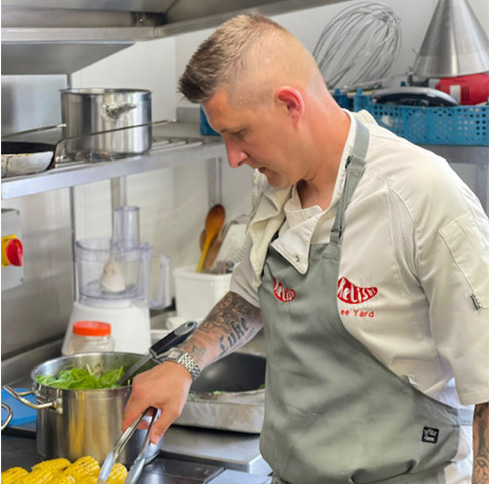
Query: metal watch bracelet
186, 360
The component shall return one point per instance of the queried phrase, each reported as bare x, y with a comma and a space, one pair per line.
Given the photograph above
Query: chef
367, 264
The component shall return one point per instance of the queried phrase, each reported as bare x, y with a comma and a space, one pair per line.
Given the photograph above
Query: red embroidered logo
352, 294
282, 293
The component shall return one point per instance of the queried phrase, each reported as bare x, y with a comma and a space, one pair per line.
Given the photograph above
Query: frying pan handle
35, 130
9, 416
20, 397
174, 338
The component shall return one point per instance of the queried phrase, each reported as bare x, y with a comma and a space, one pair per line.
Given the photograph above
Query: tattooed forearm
231, 324
481, 444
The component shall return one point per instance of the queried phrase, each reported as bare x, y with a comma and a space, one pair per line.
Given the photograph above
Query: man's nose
236, 156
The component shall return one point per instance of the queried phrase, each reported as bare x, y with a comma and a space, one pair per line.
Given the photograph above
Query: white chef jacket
414, 273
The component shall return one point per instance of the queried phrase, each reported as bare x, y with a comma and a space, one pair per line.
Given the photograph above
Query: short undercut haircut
221, 58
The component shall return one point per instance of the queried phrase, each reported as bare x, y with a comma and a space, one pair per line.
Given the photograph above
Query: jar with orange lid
90, 337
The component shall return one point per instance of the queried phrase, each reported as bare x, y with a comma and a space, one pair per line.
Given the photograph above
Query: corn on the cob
88, 480
118, 474
39, 476
58, 464
63, 478
83, 467
12, 475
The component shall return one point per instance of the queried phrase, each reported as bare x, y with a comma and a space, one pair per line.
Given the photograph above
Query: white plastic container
196, 293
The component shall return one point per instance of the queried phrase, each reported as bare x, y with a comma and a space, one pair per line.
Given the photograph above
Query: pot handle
10, 415
115, 111
20, 397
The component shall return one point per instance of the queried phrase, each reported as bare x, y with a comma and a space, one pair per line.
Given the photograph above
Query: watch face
174, 353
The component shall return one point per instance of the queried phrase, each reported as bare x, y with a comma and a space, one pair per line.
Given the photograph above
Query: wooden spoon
213, 250
213, 225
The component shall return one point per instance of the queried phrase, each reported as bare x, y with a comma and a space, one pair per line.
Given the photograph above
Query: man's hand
230, 324
164, 387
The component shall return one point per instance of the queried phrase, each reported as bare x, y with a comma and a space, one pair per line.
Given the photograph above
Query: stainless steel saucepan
74, 423
94, 110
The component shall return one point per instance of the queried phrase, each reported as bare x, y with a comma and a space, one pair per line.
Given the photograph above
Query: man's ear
293, 101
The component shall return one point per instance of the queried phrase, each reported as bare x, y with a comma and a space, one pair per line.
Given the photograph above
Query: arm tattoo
232, 322
481, 444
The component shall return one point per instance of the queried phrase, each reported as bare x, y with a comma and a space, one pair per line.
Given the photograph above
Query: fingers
132, 411
166, 418
143, 395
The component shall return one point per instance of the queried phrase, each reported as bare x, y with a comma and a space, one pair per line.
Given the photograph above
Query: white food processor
116, 283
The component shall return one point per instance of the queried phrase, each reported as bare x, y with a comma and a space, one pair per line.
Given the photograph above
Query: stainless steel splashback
38, 310
51, 37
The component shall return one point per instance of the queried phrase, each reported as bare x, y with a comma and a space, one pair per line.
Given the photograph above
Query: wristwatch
185, 359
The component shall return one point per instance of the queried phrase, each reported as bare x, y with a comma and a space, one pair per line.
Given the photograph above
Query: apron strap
355, 165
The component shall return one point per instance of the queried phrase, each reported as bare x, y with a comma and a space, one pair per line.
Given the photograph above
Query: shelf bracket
118, 192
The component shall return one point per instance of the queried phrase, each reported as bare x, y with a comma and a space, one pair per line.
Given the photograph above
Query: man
367, 265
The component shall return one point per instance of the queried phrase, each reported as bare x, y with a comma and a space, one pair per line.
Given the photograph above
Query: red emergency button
12, 251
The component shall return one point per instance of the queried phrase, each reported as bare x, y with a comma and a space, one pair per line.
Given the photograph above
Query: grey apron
335, 414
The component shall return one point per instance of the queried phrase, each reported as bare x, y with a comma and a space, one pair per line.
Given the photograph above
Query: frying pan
25, 158
238, 372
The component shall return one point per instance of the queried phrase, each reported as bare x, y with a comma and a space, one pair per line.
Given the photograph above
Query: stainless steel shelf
163, 154
56, 37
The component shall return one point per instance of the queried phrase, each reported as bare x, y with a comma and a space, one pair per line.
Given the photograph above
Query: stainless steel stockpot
110, 112
74, 423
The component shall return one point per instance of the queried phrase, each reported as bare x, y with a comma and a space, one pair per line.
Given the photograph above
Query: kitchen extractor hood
61, 37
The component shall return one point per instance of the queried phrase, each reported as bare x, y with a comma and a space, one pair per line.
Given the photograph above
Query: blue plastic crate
343, 99
205, 127
455, 125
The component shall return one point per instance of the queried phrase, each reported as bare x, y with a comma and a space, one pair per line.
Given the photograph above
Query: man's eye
240, 133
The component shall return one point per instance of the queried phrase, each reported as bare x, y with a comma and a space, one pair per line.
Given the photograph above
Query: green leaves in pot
82, 379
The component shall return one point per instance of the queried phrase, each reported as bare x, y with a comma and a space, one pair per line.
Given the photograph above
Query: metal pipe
214, 180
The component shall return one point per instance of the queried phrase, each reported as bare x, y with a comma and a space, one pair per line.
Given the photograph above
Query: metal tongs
137, 466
